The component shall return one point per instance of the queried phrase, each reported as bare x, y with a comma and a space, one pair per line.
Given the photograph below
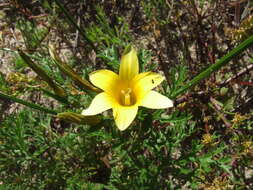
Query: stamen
126, 97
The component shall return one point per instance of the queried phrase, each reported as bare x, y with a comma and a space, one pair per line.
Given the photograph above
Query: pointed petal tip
123, 127
99, 104
85, 112
124, 116
155, 100
170, 103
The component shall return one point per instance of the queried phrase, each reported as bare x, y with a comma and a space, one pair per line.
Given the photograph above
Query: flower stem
221, 62
29, 104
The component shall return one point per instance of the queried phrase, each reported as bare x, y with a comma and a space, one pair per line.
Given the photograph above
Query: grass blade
29, 104
213, 68
44, 76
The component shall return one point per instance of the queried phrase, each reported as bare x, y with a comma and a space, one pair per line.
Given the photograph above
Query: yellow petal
104, 79
129, 66
124, 116
155, 100
145, 82
99, 104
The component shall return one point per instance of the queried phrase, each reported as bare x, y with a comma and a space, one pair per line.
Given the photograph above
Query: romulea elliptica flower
126, 91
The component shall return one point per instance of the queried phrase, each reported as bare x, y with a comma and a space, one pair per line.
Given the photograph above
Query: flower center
126, 97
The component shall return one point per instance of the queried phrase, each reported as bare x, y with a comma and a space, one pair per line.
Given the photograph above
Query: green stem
69, 17
29, 104
221, 62
54, 96
44, 76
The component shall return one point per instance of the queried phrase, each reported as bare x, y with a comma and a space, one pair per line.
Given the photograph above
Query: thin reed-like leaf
66, 69
213, 68
29, 104
44, 76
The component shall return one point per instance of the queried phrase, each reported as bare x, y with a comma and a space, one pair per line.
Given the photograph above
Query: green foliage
178, 77
40, 157
3, 83
110, 57
186, 147
144, 61
105, 35
32, 34
162, 8
142, 158
19, 63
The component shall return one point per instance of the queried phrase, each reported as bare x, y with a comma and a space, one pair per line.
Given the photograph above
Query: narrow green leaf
29, 104
66, 69
213, 68
57, 89
78, 118
54, 96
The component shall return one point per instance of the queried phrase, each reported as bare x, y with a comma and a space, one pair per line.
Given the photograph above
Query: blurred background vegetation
204, 142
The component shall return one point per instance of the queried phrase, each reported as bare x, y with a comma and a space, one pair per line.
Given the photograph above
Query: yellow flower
238, 118
126, 91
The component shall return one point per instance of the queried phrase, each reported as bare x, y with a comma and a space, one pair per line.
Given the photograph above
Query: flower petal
129, 66
155, 100
124, 116
104, 79
145, 82
99, 104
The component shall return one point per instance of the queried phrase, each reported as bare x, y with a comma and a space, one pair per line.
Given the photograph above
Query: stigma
126, 97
